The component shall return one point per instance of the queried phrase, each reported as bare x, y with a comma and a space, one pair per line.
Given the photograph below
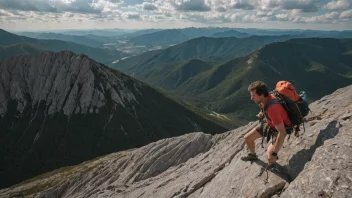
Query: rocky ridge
62, 86
318, 163
60, 109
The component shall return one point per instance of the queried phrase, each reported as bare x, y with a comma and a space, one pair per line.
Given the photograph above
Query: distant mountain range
134, 42
91, 40
19, 48
211, 49
306, 33
155, 39
139, 33
88, 40
316, 65
165, 38
230, 33
106, 56
59, 109
98, 32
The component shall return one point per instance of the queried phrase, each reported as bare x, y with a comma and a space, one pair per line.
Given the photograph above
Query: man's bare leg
250, 137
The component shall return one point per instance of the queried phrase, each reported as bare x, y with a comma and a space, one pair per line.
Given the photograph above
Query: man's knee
252, 135
248, 135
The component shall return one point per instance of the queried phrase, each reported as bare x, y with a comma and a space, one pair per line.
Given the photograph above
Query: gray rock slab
318, 163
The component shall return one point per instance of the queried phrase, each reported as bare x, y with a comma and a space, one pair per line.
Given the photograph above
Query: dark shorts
269, 134
259, 129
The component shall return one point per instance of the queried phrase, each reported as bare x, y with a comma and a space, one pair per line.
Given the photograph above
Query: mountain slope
308, 63
59, 109
83, 40
139, 33
99, 32
163, 37
153, 37
193, 32
315, 65
215, 49
173, 75
17, 49
197, 165
230, 33
306, 33
105, 56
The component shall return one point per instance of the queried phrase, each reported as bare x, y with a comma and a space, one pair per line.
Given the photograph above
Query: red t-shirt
277, 114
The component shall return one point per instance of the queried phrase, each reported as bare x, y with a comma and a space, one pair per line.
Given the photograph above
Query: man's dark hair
259, 87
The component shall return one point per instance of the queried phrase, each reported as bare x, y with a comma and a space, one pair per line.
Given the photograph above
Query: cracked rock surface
318, 163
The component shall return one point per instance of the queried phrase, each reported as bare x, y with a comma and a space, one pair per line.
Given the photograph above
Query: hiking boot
249, 157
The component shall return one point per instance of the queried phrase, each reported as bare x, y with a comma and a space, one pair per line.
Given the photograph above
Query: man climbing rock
276, 117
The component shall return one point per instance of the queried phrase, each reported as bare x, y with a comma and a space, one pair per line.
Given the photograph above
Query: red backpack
295, 104
287, 89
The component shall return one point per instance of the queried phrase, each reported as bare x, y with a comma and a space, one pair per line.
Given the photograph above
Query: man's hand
260, 115
271, 159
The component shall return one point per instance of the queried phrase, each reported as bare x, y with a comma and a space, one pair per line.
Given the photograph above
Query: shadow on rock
299, 160
276, 169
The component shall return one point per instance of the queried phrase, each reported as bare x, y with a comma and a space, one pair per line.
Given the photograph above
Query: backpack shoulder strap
271, 102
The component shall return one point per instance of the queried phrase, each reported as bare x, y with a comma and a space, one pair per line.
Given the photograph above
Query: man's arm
280, 137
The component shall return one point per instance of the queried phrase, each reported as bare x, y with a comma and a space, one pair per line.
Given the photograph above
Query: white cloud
149, 6
303, 5
282, 16
295, 12
103, 5
339, 4
67, 1
326, 18
34, 5
264, 13
220, 9
190, 5
131, 15
208, 18
59, 6
154, 18
68, 15
255, 19
217, 5
332, 15
244, 5
269, 4
179, 12
5, 13
346, 14
287, 17
294, 17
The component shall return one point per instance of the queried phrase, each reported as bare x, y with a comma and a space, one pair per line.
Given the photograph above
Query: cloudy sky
136, 14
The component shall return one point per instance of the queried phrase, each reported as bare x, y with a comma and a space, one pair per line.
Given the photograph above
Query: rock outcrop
60, 109
318, 163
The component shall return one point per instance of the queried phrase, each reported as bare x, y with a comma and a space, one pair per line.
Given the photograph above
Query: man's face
255, 97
